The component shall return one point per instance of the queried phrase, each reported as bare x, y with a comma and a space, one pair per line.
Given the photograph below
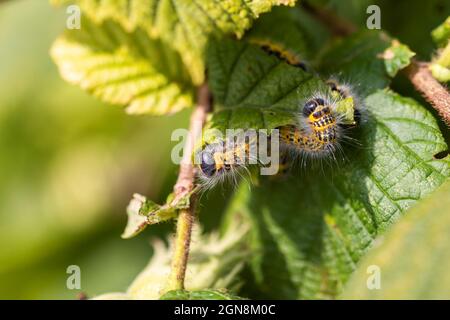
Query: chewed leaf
441, 35
396, 57
129, 69
207, 294
142, 212
185, 25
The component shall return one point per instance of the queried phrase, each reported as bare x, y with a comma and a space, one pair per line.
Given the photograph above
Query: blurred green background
68, 167
70, 164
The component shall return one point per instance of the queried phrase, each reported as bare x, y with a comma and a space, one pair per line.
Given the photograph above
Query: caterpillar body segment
278, 50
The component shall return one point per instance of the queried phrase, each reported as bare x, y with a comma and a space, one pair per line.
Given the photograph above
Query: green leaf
396, 57
186, 25
310, 233
414, 256
413, 32
354, 59
142, 212
352, 11
253, 89
207, 294
124, 68
441, 35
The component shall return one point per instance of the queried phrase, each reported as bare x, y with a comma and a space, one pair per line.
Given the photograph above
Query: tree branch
183, 186
424, 82
337, 26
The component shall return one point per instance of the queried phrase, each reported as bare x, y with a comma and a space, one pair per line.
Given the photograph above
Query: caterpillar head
212, 160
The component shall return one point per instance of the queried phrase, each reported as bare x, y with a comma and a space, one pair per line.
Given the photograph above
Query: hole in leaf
441, 155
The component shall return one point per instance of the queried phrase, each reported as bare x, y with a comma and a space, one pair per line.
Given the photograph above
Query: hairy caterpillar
278, 50
223, 160
318, 132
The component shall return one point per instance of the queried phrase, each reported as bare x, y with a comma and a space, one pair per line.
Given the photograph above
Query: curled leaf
207, 294
142, 212
396, 57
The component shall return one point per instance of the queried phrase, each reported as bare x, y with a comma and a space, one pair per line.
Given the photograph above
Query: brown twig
336, 25
424, 82
184, 186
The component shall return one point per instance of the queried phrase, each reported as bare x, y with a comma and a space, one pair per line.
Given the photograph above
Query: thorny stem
423, 81
417, 72
444, 56
184, 185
